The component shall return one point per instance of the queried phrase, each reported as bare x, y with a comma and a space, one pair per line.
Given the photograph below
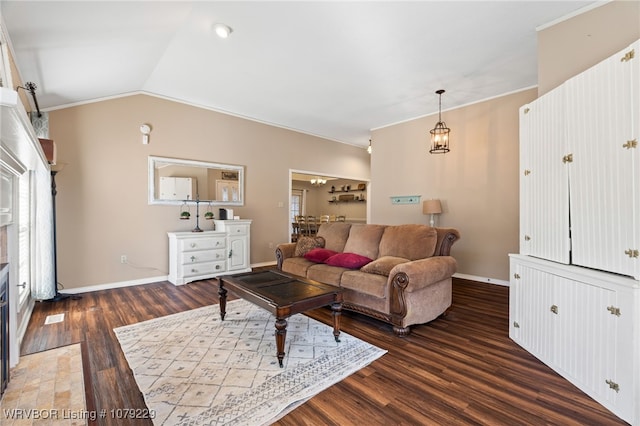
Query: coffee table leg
337, 311
222, 292
281, 335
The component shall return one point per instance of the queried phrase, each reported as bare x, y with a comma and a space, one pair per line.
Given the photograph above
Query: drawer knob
193, 245
194, 270
193, 258
217, 266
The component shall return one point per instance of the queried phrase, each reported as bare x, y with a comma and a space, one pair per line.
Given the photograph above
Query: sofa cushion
325, 273
296, 266
364, 240
383, 265
373, 285
348, 260
412, 242
306, 244
335, 235
319, 255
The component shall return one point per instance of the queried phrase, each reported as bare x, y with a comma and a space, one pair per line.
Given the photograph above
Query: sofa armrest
284, 251
446, 238
421, 273
411, 277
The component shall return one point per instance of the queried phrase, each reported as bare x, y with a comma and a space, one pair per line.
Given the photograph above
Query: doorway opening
318, 196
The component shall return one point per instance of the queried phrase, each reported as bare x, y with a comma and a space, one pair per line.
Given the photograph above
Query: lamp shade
431, 207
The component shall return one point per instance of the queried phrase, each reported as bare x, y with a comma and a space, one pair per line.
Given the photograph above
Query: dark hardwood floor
460, 369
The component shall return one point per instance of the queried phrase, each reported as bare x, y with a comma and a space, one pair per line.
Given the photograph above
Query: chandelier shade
318, 181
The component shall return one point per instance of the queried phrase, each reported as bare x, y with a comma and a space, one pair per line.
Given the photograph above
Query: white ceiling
332, 69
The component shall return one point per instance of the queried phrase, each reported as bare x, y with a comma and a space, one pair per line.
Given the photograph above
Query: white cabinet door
238, 253
532, 323
604, 173
544, 189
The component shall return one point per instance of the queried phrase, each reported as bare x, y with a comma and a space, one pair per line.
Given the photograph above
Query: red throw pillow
319, 255
348, 260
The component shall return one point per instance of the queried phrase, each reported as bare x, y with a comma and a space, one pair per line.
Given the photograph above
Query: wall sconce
369, 149
431, 207
145, 129
440, 133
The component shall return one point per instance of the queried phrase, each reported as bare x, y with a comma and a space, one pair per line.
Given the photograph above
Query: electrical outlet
123, 258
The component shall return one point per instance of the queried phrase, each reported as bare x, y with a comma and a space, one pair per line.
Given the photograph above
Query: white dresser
200, 255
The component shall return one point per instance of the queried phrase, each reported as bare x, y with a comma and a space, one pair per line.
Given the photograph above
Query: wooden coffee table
283, 295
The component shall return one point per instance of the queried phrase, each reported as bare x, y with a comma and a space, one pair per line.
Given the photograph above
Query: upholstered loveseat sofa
400, 274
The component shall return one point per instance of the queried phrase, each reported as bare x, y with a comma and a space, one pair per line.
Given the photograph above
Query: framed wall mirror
173, 181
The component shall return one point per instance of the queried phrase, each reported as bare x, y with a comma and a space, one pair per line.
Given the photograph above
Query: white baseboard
481, 279
150, 280
120, 284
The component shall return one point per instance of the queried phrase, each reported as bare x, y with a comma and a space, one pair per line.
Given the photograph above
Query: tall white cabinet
200, 255
575, 289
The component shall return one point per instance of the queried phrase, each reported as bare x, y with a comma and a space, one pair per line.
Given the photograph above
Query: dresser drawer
187, 258
191, 244
203, 268
237, 229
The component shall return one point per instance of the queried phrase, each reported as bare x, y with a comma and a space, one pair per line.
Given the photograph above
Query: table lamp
431, 207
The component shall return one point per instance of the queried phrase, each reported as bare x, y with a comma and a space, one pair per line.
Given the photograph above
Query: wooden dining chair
324, 219
312, 225
301, 221
341, 218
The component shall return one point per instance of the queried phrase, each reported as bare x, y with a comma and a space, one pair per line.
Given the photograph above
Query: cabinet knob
194, 270
193, 245
554, 309
193, 258
217, 266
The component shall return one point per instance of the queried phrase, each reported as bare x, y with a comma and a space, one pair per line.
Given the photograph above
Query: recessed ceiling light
222, 30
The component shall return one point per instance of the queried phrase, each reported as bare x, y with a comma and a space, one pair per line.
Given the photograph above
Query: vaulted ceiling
332, 69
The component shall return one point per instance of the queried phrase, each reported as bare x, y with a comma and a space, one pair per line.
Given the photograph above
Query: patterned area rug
194, 369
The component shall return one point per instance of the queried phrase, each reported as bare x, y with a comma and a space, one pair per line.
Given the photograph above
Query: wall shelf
347, 201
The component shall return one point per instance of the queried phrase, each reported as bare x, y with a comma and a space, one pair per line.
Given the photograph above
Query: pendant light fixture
440, 133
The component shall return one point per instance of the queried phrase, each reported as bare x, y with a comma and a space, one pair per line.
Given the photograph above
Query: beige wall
572, 46
102, 191
477, 181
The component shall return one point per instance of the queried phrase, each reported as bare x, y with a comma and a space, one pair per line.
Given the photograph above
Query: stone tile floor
46, 388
